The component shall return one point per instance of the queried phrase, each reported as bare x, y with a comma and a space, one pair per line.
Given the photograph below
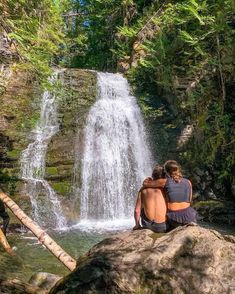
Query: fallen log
42, 236
5, 244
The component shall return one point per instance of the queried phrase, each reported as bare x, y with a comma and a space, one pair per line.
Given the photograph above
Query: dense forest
178, 55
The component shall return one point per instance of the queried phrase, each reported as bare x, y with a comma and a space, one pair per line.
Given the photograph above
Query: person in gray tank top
179, 196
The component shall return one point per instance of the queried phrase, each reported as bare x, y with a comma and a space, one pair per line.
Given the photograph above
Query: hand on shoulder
147, 181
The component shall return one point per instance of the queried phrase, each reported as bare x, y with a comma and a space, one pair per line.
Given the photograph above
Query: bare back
154, 204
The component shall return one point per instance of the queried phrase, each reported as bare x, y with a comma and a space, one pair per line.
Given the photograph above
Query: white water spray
45, 203
116, 156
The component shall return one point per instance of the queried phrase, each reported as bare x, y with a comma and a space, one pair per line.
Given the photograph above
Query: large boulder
189, 259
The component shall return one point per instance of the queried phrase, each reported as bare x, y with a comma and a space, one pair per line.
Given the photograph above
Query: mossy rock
10, 173
62, 188
13, 154
60, 172
155, 236
217, 211
51, 171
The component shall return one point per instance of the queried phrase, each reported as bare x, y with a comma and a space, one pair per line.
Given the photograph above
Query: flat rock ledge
189, 259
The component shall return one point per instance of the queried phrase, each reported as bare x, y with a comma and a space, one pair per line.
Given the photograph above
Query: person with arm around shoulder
151, 207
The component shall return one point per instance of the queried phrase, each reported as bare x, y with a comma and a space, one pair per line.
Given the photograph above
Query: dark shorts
182, 216
151, 225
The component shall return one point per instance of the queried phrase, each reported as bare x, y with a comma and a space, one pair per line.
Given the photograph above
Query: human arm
149, 183
191, 192
137, 212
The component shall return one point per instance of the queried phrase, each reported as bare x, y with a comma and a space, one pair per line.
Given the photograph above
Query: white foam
103, 226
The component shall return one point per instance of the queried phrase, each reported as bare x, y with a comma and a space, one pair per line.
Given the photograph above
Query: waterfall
116, 156
46, 206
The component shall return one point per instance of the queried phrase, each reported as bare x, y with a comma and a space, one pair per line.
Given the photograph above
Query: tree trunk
42, 236
5, 244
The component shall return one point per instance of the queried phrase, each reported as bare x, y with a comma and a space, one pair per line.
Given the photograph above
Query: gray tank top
178, 191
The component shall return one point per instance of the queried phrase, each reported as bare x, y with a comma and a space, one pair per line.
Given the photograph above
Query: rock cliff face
20, 110
76, 97
187, 260
18, 114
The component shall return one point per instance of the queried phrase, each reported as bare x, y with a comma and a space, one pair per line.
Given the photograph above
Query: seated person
151, 206
178, 192
4, 216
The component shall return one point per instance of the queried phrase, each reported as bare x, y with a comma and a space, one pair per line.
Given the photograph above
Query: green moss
51, 171
30, 122
155, 236
13, 154
11, 172
208, 203
61, 187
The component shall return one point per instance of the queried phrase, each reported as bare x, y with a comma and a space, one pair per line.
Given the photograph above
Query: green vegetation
13, 154
34, 29
155, 236
62, 188
51, 171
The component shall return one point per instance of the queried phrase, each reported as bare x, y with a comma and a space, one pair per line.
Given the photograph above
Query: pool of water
32, 257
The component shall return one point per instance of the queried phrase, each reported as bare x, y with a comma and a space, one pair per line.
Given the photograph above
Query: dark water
33, 257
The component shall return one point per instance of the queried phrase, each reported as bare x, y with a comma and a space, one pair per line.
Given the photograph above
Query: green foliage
99, 32
35, 29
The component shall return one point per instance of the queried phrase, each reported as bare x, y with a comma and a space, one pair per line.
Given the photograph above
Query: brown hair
158, 172
173, 169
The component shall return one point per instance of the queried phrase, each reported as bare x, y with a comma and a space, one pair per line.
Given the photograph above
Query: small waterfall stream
116, 156
45, 203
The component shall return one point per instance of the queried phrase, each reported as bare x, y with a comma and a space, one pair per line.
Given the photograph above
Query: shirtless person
151, 206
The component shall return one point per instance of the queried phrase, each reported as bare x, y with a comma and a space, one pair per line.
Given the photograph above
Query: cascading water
45, 203
116, 156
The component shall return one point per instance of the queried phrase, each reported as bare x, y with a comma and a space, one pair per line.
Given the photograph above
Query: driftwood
42, 236
5, 244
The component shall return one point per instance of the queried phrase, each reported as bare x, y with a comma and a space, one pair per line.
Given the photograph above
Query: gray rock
211, 195
190, 259
44, 280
